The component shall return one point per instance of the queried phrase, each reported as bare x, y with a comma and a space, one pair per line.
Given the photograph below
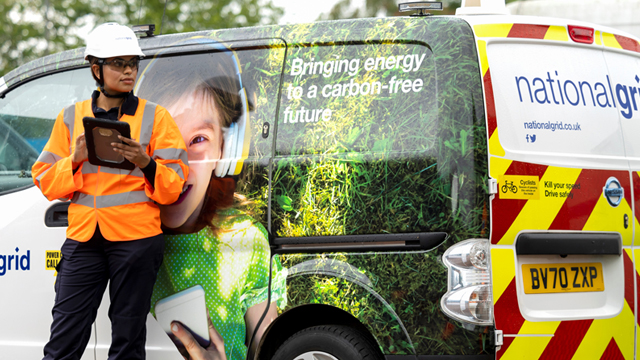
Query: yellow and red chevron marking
557, 340
545, 32
584, 208
636, 253
526, 31
494, 143
635, 176
620, 42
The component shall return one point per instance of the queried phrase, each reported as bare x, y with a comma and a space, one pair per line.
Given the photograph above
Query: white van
458, 187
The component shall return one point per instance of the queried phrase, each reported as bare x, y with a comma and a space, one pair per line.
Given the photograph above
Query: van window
27, 114
358, 98
377, 137
203, 63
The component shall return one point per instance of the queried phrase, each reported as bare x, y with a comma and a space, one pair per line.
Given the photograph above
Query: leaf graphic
284, 202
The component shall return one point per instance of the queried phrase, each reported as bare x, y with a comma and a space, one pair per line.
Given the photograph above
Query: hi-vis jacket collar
128, 107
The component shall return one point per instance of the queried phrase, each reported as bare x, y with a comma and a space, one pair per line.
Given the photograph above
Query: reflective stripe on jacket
123, 202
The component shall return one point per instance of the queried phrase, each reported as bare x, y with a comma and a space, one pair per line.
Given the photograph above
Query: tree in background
35, 28
345, 9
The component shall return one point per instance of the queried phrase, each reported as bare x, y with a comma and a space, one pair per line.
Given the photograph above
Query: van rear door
559, 218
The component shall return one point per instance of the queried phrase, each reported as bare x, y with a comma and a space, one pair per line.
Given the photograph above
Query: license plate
562, 278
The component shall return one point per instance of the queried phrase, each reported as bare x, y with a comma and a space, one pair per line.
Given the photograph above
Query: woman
101, 248
208, 242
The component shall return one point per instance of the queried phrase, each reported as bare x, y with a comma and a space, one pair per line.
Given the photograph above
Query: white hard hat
110, 40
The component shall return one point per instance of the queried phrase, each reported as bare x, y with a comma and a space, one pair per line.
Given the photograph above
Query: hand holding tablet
132, 151
100, 134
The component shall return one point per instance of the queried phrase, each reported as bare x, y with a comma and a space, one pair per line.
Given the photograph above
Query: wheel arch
304, 316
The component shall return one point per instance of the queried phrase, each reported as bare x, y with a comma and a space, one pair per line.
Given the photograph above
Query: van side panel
558, 154
398, 162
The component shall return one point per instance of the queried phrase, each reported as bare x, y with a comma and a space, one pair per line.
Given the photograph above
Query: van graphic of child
208, 242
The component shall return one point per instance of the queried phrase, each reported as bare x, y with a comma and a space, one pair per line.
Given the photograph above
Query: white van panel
624, 69
158, 346
554, 99
25, 328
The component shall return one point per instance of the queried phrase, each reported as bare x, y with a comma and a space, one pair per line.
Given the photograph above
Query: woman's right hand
80, 153
215, 350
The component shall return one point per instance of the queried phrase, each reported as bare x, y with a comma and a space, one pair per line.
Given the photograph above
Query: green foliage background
346, 9
35, 28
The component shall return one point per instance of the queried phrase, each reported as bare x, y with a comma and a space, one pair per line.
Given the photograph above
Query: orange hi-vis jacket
122, 202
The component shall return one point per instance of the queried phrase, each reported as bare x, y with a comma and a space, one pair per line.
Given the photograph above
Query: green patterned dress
232, 265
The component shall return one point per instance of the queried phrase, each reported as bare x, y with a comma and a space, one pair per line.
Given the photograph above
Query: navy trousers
130, 268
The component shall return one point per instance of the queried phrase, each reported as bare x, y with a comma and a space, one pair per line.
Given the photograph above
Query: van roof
551, 29
540, 20
75, 58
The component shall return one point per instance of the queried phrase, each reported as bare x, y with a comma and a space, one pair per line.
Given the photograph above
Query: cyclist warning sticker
519, 187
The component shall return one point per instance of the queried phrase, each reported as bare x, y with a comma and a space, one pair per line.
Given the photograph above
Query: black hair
96, 61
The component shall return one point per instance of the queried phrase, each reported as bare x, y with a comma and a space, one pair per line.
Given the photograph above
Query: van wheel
328, 342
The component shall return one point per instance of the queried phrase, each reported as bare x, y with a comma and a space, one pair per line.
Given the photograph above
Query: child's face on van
198, 119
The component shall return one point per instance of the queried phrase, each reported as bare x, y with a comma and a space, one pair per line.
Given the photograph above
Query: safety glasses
121, 64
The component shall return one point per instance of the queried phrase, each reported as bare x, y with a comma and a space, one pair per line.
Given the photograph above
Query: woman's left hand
132, 151
215, 350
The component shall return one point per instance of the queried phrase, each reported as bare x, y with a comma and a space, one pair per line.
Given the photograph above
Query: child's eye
198, 139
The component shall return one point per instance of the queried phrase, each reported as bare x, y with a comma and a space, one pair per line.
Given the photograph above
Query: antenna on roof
420, 6
162, 21
139, 11
146, 29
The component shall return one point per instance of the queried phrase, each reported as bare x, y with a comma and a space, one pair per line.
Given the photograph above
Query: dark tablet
99, 134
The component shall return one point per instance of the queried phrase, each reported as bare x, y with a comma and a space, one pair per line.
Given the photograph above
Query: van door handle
57, 215
569, 244
359, 243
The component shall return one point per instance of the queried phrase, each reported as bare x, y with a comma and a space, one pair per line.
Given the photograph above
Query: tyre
328, 342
